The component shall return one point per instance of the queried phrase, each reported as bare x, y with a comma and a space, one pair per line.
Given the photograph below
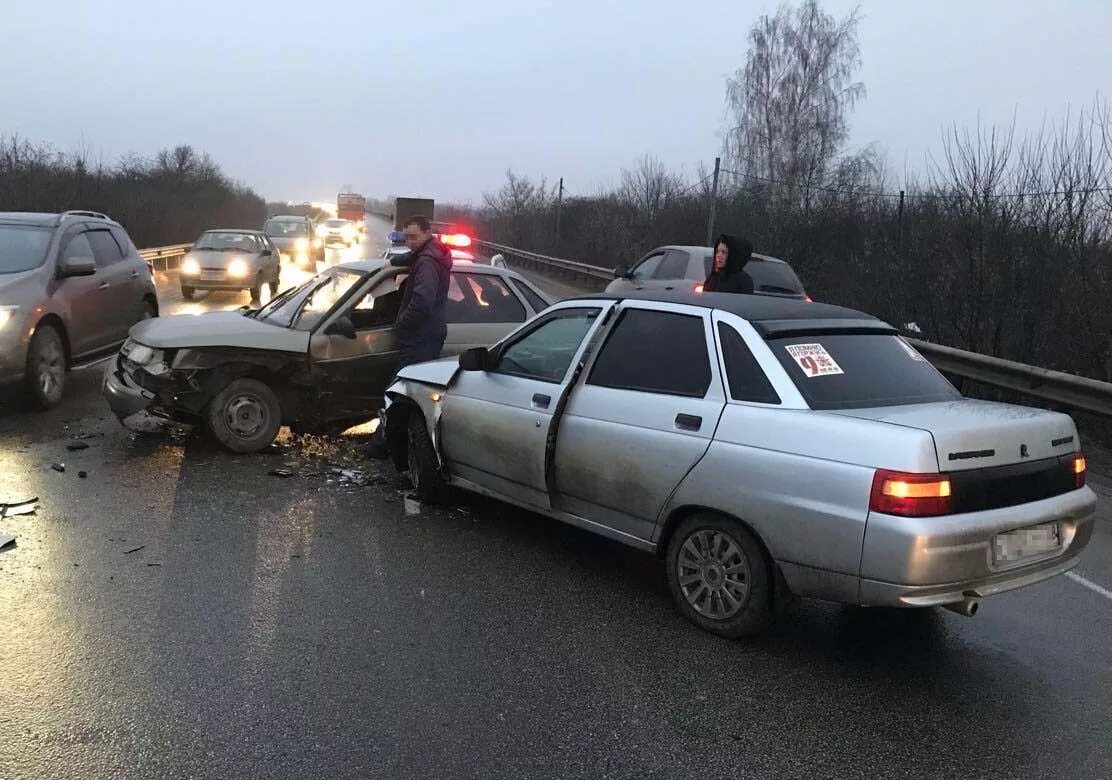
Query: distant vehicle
71, 285
686, 268
766, 448
404, 208
352, 207
316, 358
231, 260
338, 231
296, 240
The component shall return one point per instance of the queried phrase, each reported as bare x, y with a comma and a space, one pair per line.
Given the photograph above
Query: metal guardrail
1076, 391
167, 257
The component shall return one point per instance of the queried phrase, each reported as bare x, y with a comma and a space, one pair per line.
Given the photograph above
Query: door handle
104, 285
688, 422
541, 401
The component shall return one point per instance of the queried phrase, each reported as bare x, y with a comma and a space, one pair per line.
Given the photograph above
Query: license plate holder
1027, 543
211, 276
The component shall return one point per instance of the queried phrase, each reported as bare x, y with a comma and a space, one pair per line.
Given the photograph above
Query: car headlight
302, 243
322, 230
190, 267
318, 244
237, 268
140, 354
7, 313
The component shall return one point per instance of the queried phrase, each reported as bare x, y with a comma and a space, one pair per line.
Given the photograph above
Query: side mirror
498, 261
343, 326
267, 253
476, 359
622, 272
77, 266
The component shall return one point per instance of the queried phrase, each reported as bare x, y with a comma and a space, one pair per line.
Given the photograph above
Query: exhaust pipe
967, 606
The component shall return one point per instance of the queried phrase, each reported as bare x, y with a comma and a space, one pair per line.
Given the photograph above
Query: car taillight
1080, 466
910, 495
697, 288
808, 298
460, 240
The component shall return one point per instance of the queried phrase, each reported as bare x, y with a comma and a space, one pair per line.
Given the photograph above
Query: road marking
1090, 585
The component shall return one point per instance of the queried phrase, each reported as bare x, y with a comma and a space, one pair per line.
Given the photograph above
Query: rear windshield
281, 228
22, 247
767, 276
858, 371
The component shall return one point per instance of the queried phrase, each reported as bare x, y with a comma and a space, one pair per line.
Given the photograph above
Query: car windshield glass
768, 276
336, 222
282, 309
225, 242
320, 301
22, 247
280, 229
858, 371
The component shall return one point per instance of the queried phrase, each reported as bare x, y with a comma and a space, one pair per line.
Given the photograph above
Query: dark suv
71, 286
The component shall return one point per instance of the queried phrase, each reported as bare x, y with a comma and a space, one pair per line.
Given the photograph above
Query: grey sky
297, 99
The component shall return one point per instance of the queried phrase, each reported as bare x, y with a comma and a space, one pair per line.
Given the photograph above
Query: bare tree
648, 187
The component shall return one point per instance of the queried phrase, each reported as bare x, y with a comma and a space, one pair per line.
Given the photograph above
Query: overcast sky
298, 99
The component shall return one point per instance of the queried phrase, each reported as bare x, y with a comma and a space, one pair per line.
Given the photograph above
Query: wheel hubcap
713, 574
245, 415
51, 368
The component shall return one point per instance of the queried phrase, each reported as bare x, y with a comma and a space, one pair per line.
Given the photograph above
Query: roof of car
375, 264
286, 218
51, 219
234, 230
696, 249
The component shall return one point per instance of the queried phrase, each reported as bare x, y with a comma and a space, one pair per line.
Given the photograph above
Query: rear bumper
917, 562
124, 398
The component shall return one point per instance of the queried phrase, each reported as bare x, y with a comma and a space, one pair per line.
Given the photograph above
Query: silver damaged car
766, 448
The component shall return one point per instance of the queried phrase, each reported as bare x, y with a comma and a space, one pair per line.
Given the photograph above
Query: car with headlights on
71, 285
229, 259
296, 240
316, 358
338, 231
765, 448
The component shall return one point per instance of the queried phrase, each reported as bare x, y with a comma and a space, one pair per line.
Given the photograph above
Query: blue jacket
421, 321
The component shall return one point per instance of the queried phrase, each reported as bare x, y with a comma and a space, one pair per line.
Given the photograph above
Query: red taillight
910, 495
1080, 466
456, 239
697, 288
808, 298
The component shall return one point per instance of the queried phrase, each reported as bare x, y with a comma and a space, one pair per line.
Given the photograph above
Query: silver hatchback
71, 285
766, 448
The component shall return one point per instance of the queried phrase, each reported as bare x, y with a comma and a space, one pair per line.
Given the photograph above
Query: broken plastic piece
283, 473
134, 549
27, 507
84, 436
59, 467
82, 474
6, 541
76, 446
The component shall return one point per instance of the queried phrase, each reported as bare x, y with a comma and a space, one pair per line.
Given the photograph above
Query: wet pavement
182, 613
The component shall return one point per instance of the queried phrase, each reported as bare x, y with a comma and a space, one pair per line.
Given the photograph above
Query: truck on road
352, 207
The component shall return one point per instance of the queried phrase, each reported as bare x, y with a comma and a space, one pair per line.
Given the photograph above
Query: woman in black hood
727, 274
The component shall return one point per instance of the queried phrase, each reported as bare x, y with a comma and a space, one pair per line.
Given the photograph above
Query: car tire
245, 416
147, 311
720, 576
424, 466
187, 293
45, 376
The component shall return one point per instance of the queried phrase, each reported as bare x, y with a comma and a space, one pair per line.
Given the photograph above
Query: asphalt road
178, 613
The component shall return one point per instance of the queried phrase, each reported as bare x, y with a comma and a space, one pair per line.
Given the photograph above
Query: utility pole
713, 203
559, 209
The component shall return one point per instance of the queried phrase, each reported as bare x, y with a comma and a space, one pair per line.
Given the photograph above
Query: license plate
1024, 543
212, 276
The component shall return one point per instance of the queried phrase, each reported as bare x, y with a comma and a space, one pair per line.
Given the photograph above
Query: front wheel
187, 293
45, 376
245, 416
720, 576
424, 466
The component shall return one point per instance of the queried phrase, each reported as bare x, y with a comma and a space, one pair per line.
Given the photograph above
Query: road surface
180, 613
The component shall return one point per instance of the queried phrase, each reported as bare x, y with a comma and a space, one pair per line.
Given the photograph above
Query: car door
495, 424
642, 418
671, 274
117, 284
89, 318
480, 309
639, 275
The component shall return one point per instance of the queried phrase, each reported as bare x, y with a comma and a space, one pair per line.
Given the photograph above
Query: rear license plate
1025, 543
212, 276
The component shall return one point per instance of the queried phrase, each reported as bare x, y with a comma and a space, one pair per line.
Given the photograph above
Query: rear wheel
245, 416
45, 376
720, 576
187, 293
424, 466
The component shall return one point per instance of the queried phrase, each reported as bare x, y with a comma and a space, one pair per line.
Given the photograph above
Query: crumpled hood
218, 329
435, 372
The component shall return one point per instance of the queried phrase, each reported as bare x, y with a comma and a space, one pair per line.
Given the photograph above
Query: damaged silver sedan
766, 449
316, 358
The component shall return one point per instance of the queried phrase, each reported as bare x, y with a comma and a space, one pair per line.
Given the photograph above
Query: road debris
77, 446
82, 474
27, 507
283, 473
412, 506
59, 467
81, 436
134, 549
7, 541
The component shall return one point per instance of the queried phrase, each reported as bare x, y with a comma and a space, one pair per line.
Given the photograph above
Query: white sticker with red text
814, 360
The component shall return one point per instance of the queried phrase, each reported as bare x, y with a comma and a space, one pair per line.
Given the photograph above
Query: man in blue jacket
421, 326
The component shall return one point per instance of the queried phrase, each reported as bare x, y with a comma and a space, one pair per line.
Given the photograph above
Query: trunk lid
971, 434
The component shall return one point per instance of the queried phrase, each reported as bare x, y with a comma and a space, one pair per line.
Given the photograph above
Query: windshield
22, 247
323, 290
223, 242
281, 229
768, 276
335, 222
859, 371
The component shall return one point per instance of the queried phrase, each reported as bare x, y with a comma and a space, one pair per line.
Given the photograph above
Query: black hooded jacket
732, 278
421, 321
